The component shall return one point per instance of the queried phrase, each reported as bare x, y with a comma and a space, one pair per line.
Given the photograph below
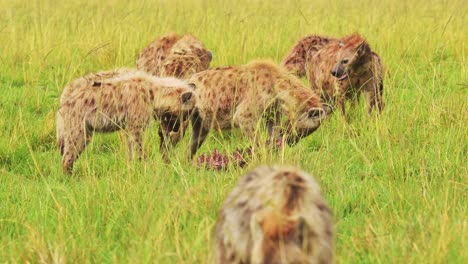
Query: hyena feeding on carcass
174, 55
119, 100
242, 96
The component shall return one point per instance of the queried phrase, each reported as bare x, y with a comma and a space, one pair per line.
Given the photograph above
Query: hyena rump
275, 215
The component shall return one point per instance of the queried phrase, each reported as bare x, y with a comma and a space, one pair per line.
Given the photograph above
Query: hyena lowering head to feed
242, 96
170, 128
275, 215
175, 55
128, 101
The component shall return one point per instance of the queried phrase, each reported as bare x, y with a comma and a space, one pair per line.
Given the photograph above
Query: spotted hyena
119, 100
344, 69
339, 69
175, 55
242, 96
296, 59
275, 215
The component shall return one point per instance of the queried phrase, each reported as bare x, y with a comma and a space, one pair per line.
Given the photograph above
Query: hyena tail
60, 133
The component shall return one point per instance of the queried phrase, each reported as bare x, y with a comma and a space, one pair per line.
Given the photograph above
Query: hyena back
244, 95
127, 102
275, 215
174, 55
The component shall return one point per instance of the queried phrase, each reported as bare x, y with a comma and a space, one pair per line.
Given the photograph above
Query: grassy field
397, 184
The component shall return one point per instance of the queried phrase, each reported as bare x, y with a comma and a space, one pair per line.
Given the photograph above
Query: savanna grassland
397, 183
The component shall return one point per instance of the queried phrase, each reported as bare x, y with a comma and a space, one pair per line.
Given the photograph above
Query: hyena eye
344, 61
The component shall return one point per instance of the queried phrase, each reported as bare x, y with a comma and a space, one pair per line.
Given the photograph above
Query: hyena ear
362, 48
192, 85
186, 97
210, 55
316, 113
328, 108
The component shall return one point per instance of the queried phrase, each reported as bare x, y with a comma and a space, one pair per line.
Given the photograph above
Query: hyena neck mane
164, 93
297, 97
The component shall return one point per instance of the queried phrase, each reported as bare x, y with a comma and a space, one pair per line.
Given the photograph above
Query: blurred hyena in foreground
339, 69
174, 55
119, 100
275, 215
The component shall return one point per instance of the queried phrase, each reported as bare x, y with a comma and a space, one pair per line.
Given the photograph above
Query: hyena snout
337, 71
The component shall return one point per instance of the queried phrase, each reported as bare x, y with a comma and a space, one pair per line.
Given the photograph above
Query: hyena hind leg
72, 148
135, 141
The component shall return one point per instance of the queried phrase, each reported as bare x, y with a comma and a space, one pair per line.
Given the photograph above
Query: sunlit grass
396, 183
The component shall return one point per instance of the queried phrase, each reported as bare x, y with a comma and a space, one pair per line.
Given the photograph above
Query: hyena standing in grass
339, 69
175, 55
118, 100
296, 59
242, 96
275, 215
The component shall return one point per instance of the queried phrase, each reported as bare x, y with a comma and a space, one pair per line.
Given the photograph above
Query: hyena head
308, 120
175, 119
353, 57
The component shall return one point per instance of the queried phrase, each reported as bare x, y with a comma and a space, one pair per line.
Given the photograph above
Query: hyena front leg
200, 131
373, 95
135, 141
138, 119
340, 102
247, 119
74, 142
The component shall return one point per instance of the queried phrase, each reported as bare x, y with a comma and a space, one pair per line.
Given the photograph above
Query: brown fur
242, 96
275, 215
113, 100
174, 55
316, 56
357, 69
295, 60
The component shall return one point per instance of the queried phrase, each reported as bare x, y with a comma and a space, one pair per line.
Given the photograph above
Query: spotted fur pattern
295, 60
242, 96
117, 100
174, 55
357, 70
275, 215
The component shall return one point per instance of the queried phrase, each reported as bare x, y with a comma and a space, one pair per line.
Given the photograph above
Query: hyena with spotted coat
343, 70
339, 69
275, 215
118, 100
242, 96
296, 59
175, 55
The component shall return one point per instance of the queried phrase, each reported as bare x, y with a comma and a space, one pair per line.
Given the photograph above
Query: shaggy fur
317, 56
114, 100
275, 215
174, 55
241, 96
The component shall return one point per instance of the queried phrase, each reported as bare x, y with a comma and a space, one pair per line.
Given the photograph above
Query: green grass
397, 183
